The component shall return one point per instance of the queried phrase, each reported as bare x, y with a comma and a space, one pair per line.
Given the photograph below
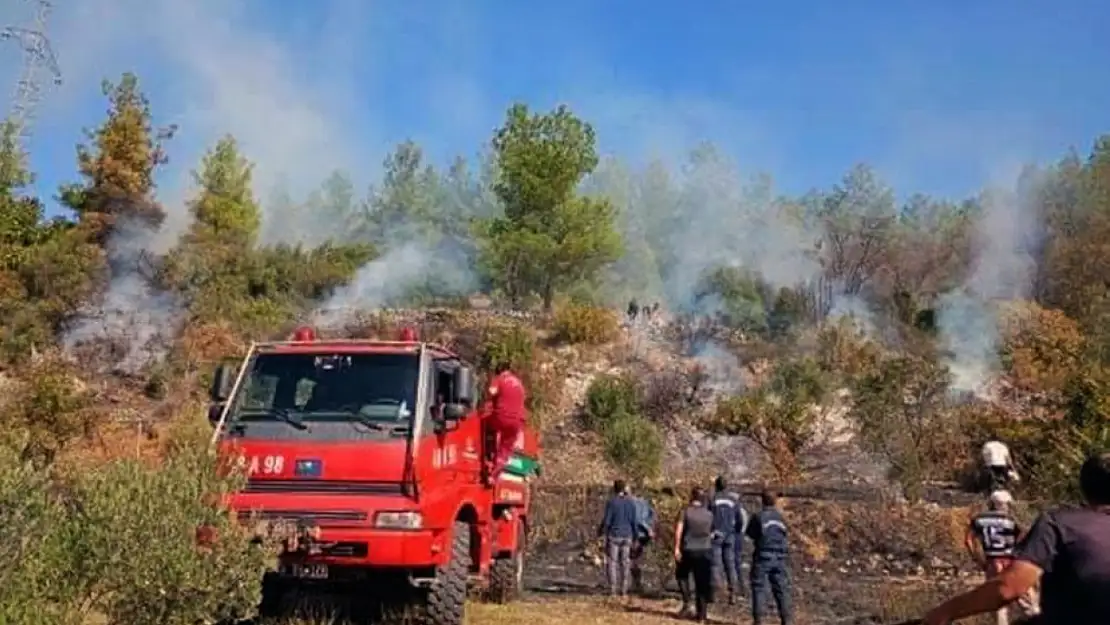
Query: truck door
460, 446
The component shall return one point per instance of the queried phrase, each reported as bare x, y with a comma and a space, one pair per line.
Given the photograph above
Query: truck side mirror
464, 386
214, 412
222, 382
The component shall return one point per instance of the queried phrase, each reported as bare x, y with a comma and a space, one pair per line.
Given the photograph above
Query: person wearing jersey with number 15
1067, 550
991, 538
504, 413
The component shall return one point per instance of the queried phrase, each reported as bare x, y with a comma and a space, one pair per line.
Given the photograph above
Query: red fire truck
371, 455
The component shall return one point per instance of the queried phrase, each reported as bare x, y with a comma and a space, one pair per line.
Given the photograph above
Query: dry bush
465, 340
843, 349
562, 515
586, 324
902, 602
207, 344
1042, 348
369, 324
666, 395
915, 532
546, 381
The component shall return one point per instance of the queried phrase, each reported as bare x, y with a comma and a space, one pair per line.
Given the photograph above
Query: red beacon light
408, 335
304, 334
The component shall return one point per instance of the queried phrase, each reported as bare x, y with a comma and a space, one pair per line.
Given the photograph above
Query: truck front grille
323, 487
307, 517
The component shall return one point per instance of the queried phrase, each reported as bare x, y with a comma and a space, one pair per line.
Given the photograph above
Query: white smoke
1002, 269
138, 323
396, 274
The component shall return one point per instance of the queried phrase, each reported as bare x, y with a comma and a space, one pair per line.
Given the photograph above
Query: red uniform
505, 414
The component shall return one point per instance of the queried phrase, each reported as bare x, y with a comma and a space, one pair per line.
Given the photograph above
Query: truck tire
275, 603
506, 575
445, 602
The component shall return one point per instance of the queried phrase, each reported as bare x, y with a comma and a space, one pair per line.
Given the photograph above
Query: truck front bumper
364, 547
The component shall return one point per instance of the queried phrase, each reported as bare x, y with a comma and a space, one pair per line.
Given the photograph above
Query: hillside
847, 349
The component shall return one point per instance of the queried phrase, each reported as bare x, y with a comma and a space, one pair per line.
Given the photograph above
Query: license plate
309, 571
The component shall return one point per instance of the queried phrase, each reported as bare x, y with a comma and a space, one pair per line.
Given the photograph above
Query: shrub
138, 559
843, 350
119, 542
634, 446
610, 397
48, 412
575, 323
667, 394
904, 415
37, 581
781, 416
514, 345
511, 345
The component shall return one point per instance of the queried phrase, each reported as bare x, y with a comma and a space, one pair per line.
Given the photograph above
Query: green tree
226, 211
739, 296
549, 237
44, 265
221, 273
335, 209
406, 205
855, 218
226, 222
213, 264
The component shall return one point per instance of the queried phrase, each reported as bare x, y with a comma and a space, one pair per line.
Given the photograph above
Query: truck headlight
399, 520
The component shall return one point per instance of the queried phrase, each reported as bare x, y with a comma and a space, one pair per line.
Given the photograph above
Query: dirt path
574, 610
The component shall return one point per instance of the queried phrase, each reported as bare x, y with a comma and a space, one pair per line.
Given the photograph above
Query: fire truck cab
371, 455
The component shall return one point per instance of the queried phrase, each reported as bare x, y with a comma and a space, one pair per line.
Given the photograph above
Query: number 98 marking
269, 465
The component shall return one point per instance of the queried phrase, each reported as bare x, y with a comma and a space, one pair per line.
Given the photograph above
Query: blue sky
940, 96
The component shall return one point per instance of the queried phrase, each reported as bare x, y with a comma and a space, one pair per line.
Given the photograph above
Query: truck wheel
506, 575
275, 602
445, 602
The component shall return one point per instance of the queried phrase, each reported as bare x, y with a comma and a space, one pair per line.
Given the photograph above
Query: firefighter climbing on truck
504, 414
373, 450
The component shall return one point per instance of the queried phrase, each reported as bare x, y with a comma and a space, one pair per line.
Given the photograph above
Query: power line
38, 60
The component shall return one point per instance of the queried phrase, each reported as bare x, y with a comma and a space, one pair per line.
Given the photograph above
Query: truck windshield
326, 397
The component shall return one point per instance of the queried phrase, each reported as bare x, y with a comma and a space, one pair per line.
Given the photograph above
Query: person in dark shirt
1067, 549
693, 547
767, 529
728, 523
619, 527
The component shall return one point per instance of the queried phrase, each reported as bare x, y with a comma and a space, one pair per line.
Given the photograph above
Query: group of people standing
708, 548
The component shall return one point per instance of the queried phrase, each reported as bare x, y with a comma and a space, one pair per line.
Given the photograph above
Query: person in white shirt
999, 465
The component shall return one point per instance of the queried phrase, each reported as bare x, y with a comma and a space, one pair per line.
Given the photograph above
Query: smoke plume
403, 271
136, 323
1002, 269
